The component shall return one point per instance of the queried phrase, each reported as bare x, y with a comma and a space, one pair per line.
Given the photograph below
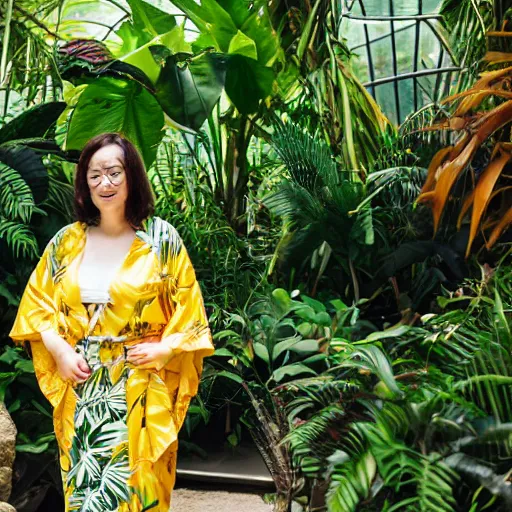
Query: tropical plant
28, 180
27, 65
33, 186
350, 121
321, 205
468, 23
428, 432
276, 340
474, 166
359, 233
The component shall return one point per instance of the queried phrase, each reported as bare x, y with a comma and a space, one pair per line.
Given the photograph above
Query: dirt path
189, 500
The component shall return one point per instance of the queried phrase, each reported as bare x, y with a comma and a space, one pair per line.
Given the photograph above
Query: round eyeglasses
115, 175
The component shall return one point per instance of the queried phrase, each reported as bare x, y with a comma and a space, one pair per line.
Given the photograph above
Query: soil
190, 500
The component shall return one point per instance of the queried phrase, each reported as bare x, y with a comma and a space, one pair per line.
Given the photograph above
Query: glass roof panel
403, 58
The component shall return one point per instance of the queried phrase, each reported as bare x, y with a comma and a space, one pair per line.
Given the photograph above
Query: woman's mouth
107, 196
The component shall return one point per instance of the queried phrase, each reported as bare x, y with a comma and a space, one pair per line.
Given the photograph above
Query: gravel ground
189, 500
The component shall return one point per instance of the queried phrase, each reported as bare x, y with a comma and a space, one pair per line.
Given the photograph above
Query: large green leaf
227, 22
262, 351
142, 57
149, 21
34, 122
258, 27
291, 370
302, 347
148, 30
247, 82
109, 105
243, 45
148, 26
211, 19
188, 90
238, 10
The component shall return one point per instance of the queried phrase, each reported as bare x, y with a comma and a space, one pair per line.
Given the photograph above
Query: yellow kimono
117, 433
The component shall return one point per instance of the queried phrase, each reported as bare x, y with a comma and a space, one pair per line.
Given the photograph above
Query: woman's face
106, 177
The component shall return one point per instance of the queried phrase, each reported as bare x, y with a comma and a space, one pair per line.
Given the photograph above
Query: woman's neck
114, 224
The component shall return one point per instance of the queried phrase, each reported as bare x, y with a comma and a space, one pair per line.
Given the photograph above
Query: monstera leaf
149, 20
142, 57
110, 105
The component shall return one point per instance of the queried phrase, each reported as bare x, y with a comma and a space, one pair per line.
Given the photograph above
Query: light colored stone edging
7, 453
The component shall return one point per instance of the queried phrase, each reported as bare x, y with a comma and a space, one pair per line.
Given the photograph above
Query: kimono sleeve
189, 323
37, 311
188, 316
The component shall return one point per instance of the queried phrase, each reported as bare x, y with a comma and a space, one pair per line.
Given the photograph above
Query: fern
19, 237
16, 199
312, 442
351, 482
60, 197
315, 393
305, 158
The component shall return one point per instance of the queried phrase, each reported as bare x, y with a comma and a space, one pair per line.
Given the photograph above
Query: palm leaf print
99, 454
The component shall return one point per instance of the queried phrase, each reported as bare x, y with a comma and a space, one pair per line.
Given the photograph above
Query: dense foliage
364, 345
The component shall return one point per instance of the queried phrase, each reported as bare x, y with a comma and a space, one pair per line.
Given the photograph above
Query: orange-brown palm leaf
491, 80
503, 224
482, 128
483, 192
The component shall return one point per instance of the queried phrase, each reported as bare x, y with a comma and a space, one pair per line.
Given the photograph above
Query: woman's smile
107, 197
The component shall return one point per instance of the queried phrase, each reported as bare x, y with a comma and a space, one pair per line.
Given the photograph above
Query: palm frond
308, 161
312, 442
19, 238
351, 481
16, 199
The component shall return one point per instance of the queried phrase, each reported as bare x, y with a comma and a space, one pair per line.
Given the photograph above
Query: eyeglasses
115, 175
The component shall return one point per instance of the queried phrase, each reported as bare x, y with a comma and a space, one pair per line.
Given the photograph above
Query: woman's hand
154, 353
70, 365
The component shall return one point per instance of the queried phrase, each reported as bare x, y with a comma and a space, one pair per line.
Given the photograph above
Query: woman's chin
108, 206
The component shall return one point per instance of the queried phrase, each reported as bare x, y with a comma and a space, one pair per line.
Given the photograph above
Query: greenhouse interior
340, 173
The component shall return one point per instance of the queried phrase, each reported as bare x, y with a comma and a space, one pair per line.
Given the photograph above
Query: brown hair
140, 201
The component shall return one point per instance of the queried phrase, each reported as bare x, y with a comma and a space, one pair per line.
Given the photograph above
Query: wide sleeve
188, 328
37, 311
188, 316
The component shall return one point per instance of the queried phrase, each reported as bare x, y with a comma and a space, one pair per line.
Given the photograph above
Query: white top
93, 285
100, 263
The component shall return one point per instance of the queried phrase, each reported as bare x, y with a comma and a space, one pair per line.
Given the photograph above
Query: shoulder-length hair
139, 203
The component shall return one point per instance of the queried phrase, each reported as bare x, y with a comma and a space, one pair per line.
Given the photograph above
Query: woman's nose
104, 178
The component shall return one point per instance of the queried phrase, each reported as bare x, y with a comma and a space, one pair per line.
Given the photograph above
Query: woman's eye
115, 174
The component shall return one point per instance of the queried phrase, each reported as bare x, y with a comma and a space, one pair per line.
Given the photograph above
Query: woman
118, 331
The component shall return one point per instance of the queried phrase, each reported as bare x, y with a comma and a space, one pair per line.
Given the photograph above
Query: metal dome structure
404, 58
